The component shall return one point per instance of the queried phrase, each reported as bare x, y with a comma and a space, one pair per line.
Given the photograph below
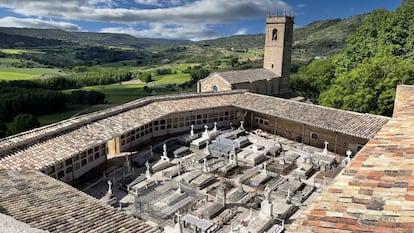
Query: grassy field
173, 66
17, 51
119, 94
14, 73
8, 61
115, 94
170, 79
70, 111
15, 76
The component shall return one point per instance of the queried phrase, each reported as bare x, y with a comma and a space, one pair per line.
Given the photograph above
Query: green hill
240, 42
322, 38
91, 38
11, 41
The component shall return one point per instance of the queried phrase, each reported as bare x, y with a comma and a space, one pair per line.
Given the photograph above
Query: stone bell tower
278, 48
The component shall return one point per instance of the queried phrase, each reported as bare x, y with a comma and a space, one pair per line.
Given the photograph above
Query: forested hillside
364, 76
91, 38
319, 38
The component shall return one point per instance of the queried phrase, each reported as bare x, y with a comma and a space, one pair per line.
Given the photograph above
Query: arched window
274, 34
215, 88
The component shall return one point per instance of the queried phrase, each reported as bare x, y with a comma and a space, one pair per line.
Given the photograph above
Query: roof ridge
321, 106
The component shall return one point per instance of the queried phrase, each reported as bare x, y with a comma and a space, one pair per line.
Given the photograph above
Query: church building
273, 78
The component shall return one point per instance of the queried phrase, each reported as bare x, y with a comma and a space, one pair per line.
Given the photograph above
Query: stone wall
206, 85
310, 135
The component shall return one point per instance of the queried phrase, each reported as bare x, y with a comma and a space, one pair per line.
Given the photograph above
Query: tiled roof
75, 122
346, 122
375, 193
11, 225
90, 133
243, 76
47, 204
57, 149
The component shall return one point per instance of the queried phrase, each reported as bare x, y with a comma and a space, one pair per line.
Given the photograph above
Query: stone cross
164, 147
325, 150
236, 161
206, 149
205, 133
241, 125
255, 147
110, 187
347, 159
288, 197
205, 169
178, 227
179, 187
348, 154
147, 172
192, 130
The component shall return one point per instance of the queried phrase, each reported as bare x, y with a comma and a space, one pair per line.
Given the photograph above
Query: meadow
18, 51
14, 73
14, 66
13, 69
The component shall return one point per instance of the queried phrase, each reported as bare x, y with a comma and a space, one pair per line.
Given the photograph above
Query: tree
146, 77
197, 74
376, 58
311, 80
233, 61
370, 87
22, 122
86, 97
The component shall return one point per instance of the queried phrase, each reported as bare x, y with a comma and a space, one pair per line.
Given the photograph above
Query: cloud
149, 2
241, 31
161, 3
193, 32
201, 11
37, 23
185, 19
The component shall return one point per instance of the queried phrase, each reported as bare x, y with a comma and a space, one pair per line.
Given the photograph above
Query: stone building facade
261, 81
75, 146
273, 78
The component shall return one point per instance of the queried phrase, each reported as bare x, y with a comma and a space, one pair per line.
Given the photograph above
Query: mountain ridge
322, 38
95, 38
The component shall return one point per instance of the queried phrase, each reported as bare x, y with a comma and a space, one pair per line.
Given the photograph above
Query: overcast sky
175, 19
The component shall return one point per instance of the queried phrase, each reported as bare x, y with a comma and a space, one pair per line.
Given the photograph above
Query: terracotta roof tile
346, 122
45, 203
379, 181
93, 129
